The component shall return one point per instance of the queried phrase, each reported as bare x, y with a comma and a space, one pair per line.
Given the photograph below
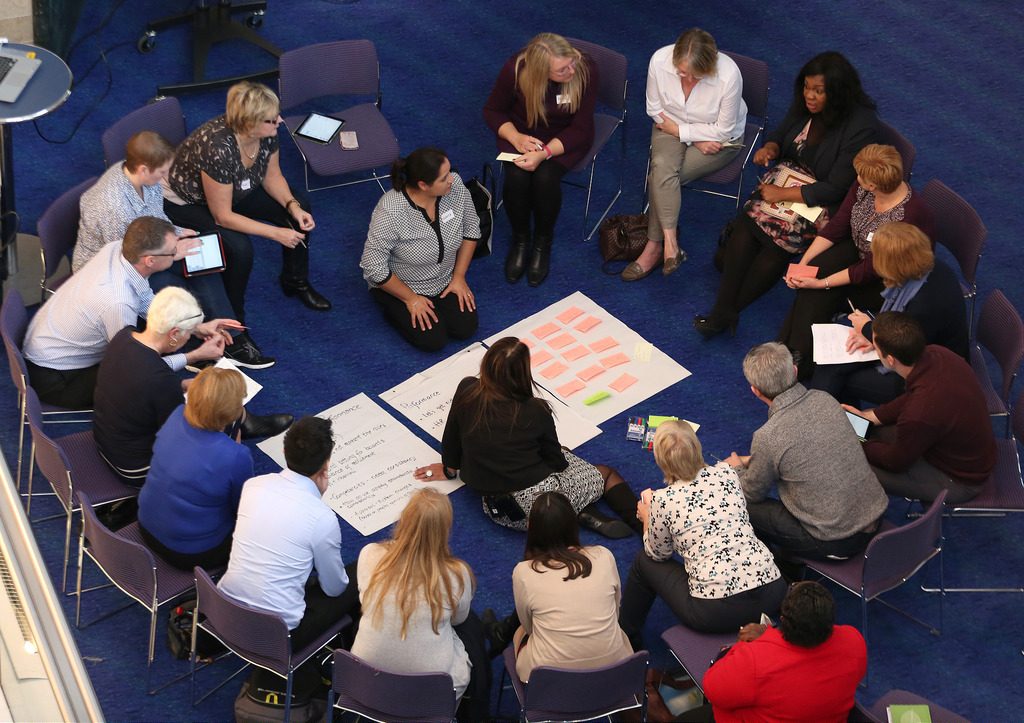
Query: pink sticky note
799, 271
614, 360
577, 352
571, 388
623, 383
587, 324
562, 340
527, 343
539, 357
590, 372
553, 370
601, 344
569, 314
546, 330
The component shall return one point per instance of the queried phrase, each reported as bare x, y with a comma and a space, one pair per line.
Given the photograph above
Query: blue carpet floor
944, 74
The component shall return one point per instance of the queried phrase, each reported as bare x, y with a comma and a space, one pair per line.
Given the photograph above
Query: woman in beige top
567, 596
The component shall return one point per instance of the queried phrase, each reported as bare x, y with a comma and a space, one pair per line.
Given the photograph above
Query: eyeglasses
173, 253
566, 68
273, 121
187, 320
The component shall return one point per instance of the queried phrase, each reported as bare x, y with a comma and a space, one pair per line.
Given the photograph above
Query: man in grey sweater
831, 501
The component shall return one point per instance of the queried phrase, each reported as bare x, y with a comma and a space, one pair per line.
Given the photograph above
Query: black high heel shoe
710, 326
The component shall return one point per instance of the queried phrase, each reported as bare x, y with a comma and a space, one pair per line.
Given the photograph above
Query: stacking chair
696, 651
163, 116
360, 688
72, 465
558, 694
13, 324
612, 68
343, 67
256, 636
889, 136
1000, 331
959, 228
1001, 493
132, 567
892, 557
879, 711
58, 232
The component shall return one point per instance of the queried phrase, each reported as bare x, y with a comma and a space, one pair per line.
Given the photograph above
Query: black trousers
536, 194
857, 383
782, 532
323, 611
211, 559
70, 388
818, 306
751, 265
476, 701
238, 249
451, 322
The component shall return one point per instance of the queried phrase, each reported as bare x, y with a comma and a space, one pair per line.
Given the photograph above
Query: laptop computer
16, 69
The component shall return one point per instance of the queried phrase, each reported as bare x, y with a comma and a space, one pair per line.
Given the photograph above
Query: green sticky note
654, 420
595, 398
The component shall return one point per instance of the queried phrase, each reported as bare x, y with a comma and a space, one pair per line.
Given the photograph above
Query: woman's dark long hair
553, 537
843, 91
504, 377
423, 164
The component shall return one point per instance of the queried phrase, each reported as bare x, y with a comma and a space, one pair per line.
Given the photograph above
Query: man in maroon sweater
937, 434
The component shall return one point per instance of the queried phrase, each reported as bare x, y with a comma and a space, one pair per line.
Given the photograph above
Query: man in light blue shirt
284, 532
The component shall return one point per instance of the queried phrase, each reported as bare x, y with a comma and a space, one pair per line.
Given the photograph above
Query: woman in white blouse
422, 237
695, 98
727, 577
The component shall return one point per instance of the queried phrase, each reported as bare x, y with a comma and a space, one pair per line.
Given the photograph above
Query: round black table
47, 89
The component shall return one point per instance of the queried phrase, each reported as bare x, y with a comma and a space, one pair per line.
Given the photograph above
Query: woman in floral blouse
727, 576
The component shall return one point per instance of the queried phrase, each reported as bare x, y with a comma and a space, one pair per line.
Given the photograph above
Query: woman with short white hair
727, 576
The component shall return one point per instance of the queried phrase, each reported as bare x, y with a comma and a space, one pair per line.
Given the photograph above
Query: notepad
601, 344
547, 330
567, 390
587, 324
562, 340
802, 271
614, 360
590, 372
508, 156
539, 357
642, 351
553, 370
623, 383
577, 352
569, 314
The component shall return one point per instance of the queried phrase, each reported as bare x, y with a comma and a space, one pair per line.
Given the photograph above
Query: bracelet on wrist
827, 287
547, 152
289, 202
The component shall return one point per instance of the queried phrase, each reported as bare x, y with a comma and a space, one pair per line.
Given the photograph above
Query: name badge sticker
561, 99
447, 216
246, 184
871, 236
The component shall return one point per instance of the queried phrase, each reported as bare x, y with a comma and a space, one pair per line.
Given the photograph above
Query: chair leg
67, 549
31, 471
21, 437
288, 695
78, 586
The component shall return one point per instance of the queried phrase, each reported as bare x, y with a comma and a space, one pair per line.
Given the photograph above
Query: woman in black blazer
830, 119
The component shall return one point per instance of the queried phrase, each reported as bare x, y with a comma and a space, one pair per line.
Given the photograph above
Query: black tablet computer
208, 258
319, 128
860, 425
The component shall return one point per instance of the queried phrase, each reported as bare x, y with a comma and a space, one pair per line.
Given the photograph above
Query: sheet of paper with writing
371, 466
830, 345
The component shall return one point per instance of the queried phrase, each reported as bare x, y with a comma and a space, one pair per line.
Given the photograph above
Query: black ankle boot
498, 633
593, 519
539, 259
515, 262
623, 503
309, 296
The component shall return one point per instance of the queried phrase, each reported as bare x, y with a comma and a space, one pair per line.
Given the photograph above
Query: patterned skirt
581, 482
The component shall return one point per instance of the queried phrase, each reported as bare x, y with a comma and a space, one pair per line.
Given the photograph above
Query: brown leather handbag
622, 238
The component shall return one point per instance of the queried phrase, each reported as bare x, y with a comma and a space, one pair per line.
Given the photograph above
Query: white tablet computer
208, 258
319, 128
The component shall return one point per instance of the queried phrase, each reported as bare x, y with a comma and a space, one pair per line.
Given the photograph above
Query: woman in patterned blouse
727, 576
422, 237
842, 251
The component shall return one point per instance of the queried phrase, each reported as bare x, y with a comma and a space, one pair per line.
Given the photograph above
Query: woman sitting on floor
421, 240
830, 119
916, 283
415, 596
842, 251
188, 506
727, 576
503, 440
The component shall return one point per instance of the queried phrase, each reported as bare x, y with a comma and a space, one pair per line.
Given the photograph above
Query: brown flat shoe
673, 264
635, 272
